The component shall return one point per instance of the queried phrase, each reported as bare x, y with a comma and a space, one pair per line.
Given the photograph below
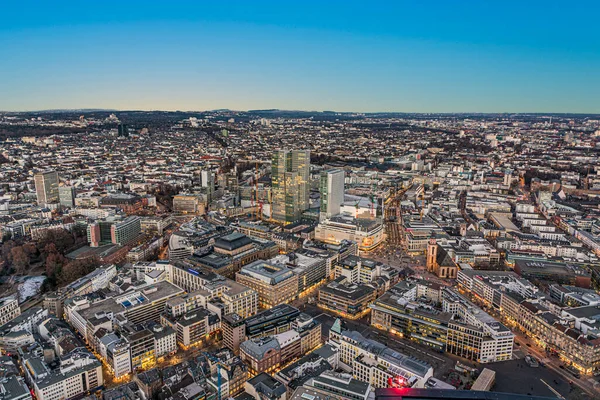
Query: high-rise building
332, 192
290, 184
116, 231
123, 130
208, 182
46, 187
66, 196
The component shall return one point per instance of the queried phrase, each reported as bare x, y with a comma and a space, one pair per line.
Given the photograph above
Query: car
517, 343
561, 366
527, 344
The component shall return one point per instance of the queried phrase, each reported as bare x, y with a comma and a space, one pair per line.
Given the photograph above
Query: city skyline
388, 57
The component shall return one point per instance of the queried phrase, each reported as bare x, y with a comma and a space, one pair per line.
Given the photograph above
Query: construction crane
422, 201
218, 362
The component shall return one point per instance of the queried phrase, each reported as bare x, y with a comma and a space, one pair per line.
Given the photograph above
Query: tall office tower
208, 182
66, 196
123, 130
290, 185
46, 187
332, 192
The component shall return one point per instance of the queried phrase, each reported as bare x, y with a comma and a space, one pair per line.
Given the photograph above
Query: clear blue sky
421, 56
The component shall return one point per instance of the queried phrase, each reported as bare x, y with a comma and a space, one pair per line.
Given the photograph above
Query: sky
363, 56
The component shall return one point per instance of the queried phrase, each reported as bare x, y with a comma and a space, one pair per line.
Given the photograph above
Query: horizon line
91, 109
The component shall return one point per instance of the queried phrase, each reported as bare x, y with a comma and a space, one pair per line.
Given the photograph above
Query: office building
347, 299
272, 321
234, 332
79, 373
66, 196
233, 251
263, 386
194, 327
208, 183
20, 330
274, 283
332, 385
224, 294
474, 334
116, 352
368, 233
332, 192
122, 130
188, 204
406, 310
46, 187
363, 270
119, 231
125, 231
13, 387
290, 184
310, 267
138, 305
375, 363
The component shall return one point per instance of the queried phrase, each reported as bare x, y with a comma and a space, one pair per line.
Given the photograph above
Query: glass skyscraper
290, 184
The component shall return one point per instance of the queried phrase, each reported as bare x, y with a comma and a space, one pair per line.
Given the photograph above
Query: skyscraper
66, 196
46, 187
208, 182
290, 184
123, 130
332, 192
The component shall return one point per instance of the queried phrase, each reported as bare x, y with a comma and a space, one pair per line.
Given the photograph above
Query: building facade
290, 184
46, 187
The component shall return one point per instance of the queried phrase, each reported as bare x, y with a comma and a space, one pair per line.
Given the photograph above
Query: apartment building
9, 309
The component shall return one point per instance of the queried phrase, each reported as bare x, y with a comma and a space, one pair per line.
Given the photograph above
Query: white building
372, 362
332, 192
9, 309
79, 373
368, 233
19, 331
165, 340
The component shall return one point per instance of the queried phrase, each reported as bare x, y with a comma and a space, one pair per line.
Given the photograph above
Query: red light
396, 382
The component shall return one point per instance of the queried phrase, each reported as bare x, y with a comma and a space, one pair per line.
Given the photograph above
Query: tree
75, 269
62, 239
50, 248
20, 259
54, 263
6, 250
30, 249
